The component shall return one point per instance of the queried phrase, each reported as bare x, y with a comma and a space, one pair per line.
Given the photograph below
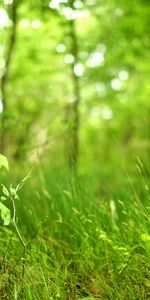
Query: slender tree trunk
75, 119
5, 77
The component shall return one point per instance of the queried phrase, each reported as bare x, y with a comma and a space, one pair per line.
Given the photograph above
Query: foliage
86, 243
74, 73
5, 212
113, 55
4, 162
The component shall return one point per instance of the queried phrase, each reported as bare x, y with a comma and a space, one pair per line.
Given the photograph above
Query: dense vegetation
74, 149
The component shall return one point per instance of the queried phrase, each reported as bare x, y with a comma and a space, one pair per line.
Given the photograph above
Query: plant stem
22, 242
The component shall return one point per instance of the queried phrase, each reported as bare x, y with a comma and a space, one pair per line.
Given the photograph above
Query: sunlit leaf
5, 191
3, 198
5, 214
145, 237
19, 186
4, 162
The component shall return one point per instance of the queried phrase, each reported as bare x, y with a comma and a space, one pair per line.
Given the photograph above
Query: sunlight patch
61, 48
2, 63
1, 106
55, 4
107, 113
36, 24
69, 59
90, 2
8, 2
95, 59
79, 69
98, 113
4, 19
78, 4
24, 23
123, 75
72, 14
116, 84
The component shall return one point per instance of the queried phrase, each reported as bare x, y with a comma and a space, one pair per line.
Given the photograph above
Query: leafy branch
11, 194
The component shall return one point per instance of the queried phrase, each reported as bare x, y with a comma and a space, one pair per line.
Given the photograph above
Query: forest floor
86, 239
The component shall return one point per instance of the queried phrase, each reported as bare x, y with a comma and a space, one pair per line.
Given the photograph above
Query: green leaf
3, 198
5, 191
19, 186
14, 192
4, 162
145, 237
5, 214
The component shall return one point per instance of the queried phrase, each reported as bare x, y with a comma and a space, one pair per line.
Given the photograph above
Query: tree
73, 151
5, 76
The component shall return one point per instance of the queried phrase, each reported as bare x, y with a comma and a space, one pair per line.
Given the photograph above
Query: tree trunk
5, 79
73, 152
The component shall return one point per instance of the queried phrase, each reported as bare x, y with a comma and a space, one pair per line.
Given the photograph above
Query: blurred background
75, 83
75, 117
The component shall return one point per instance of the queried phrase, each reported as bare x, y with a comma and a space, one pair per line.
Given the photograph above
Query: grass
89, 238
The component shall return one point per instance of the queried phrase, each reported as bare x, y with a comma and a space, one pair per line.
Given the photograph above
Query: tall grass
88, 238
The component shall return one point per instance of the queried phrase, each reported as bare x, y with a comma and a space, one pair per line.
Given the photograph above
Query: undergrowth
83, 242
